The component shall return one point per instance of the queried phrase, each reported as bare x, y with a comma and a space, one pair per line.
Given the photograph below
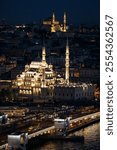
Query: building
56, 25
39, 80
2, 58
89, 74
7, 66
74, 91
2, 69
5, 84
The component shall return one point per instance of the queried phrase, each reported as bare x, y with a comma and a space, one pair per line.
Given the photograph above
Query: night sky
26, 11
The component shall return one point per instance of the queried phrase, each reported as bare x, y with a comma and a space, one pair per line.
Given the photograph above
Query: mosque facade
55, 25
40, 80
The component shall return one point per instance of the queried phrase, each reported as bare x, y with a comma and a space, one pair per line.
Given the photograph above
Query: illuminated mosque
39, 80
56, 25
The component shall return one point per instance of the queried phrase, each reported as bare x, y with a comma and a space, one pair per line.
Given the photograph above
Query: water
91, 142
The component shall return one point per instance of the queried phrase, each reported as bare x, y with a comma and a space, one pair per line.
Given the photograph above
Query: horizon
33, 11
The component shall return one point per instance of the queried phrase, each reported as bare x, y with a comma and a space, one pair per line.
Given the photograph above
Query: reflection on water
91, 142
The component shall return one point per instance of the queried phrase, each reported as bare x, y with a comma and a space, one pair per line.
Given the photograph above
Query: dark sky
25, 11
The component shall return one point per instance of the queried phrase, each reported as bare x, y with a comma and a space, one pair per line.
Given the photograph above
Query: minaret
43, 55
43, 65
67, 63
53, 23
64, 22
53, 18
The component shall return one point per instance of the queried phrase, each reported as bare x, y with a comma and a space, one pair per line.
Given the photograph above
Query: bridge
76, 123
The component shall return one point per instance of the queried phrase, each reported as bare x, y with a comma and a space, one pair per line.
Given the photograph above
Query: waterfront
91, 142
49, 76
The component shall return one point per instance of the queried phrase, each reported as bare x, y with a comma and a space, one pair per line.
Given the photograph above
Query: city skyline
49, 74
28, 11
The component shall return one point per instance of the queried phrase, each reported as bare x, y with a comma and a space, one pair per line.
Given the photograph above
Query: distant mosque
40, 81
56, 25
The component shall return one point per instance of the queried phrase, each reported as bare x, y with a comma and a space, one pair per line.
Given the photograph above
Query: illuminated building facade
56, 25
39, 79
